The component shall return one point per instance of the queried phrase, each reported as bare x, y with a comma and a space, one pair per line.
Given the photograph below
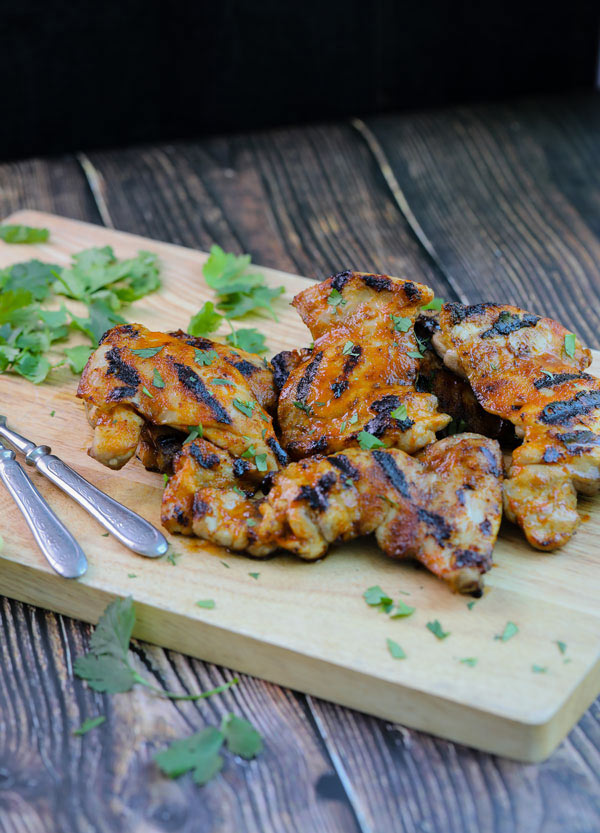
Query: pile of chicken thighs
324, 444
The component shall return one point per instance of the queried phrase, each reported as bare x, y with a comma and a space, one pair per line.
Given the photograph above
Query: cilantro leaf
100, 319
254, 575
437, 630
33, 275
241, 737
209, 604
347, 348
195, 431
562, 646
539, 669
147, 352
395, 649
570, 345
23, 234
261, 462
205, 321
435, 304
415, 354
470, 661
89, 724
239, 303
375, 596
105, 673
246, 408
78, 356
302, 406
217, 381
335, 299
14, 305
248, 339
510, 630
205, 357
401, 610
401, 325
369, 441
34, 368
157, 379
400, 413
199, 752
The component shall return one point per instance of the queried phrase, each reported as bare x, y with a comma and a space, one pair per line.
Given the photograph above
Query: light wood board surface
307, 625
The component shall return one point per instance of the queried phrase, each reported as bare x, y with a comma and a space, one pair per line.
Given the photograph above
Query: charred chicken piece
454, 394
360, 374
137, 376
530, 371
442, 508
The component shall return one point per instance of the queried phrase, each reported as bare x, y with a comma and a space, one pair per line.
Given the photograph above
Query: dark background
81, 75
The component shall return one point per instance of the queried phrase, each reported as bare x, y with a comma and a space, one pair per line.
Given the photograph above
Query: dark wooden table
491, 202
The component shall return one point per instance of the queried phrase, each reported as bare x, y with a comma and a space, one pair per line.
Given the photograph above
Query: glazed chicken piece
454, 393
360, 373
531, 371
442, 508
177, 381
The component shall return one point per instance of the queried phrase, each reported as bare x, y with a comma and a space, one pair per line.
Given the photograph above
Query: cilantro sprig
23, 234
96, 278
107, 666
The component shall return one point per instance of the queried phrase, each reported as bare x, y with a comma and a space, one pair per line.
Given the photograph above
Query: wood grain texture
508, 197
392, 775
336, 650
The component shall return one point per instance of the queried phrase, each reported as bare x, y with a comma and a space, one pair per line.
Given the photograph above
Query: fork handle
127, 526
53, 538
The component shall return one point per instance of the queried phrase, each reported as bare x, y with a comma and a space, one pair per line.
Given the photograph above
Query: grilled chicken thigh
442, 509
360, 373
531, 371
137, 376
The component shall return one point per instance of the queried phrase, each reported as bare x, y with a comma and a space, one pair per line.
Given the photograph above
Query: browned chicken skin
360, 371
179, 382
522, 369
442, 508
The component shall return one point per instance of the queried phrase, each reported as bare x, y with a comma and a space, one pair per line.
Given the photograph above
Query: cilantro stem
171, 695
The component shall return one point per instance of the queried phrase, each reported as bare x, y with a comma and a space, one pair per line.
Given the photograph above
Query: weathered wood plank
51, 781
508, 196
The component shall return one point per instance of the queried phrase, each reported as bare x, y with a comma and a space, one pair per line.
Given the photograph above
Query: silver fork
129, 528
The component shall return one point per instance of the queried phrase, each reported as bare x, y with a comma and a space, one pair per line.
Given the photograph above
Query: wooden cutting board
306, 625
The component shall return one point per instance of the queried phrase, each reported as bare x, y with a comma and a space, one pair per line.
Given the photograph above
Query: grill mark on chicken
469, 558
124, 329
551, 455
394, 474
240, 467
383, 408
281, 369
458, 312
316, 495
117, 394
201, 507
245, 368
338, 281
380, 283
303, 388
495, 470
206, 461
339, 387
119, 368
341, 462
562, 412
579, 438
507, 323
412, 291
199, 342
485, 527
280, 454
440, 530
197, 388
551, 380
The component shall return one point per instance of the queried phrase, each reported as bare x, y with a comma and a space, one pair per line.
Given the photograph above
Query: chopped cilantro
23, 234
539, 669
52, 413
570, 345
205, 321
147, 392
254, 575
369, 441
207, 603
165, 478
471, 604
401, 610
343, 426
248, 339
334, 299
225, 564
131, 575
395, 649
348, 348
172, 556
415, 354
437, 630
470, 661
401, 325
387, 500
435, 303
261, 462
246, 408
239, 492
249, 452
251, 522
376, 596
205, 357
510, 630
157, 379
302, 406
89, 724
400, 413
195, 431
217, 381
353, 419
107, 666
147, 352
562, 646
